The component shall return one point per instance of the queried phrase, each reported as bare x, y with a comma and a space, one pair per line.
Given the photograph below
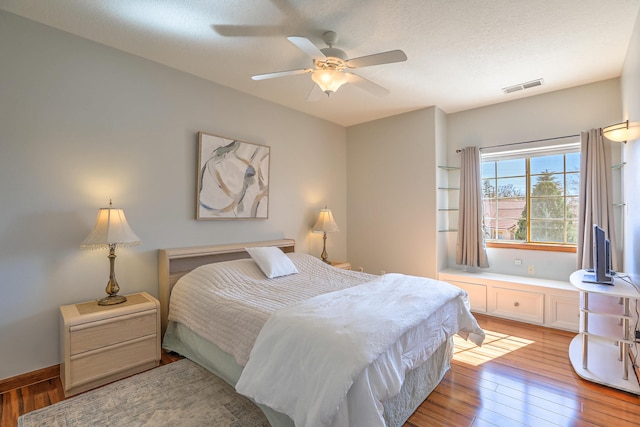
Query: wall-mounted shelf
444, 222
619, 167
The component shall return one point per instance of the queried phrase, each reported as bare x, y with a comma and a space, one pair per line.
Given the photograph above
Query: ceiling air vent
521, 86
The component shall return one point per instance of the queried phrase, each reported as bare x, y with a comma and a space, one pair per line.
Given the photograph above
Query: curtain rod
524, 142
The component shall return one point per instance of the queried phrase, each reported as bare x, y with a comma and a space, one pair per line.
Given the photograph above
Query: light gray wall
391, 177
560, 113
81, 123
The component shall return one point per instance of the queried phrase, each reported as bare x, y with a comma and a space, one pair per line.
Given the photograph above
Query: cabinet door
477, 295
564, 312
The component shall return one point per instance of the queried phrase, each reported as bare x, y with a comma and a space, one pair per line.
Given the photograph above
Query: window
530, 196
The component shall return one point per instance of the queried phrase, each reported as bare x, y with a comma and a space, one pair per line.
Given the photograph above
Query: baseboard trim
29, 378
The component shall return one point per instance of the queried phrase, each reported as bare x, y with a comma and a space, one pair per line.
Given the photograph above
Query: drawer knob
516, 304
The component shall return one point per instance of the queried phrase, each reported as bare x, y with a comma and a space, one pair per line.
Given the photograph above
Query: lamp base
112, 300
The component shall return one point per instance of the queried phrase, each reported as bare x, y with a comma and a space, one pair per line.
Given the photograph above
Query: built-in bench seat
551, 303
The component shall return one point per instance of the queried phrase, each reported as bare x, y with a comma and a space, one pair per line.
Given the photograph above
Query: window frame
526, 151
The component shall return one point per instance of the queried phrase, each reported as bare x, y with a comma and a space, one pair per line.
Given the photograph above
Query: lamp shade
325, 222
618, 132
329, 80
111, 228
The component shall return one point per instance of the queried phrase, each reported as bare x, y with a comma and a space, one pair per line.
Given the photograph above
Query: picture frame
232, 179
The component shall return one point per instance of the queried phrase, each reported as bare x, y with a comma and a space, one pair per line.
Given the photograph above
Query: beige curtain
596, 204
470, 248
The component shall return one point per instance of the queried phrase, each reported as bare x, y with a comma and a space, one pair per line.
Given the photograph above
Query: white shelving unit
619, 168
600, 352
448, 210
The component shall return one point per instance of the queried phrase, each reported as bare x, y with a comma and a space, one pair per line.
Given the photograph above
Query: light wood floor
521, 376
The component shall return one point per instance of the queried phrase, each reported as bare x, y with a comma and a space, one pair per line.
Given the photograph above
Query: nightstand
341, 264
101, 344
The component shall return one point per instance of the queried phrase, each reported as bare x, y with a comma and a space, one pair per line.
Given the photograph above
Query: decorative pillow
272, 261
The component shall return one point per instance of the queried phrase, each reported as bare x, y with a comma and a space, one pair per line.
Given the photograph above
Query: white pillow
272, 261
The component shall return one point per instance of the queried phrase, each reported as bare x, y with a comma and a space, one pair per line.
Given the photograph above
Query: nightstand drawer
94, 335
90, 366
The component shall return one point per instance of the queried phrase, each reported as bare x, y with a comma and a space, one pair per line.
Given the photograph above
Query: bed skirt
419, 382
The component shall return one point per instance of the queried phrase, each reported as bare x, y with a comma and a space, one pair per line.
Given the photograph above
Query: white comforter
308, 355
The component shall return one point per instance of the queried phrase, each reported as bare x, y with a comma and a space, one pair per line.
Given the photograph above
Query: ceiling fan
332, 67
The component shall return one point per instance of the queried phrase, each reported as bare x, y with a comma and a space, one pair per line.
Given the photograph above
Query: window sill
532, 246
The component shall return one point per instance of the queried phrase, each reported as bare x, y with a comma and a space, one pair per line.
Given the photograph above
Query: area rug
181, 393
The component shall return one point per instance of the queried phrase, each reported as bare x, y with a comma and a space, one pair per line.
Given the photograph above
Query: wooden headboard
175, 263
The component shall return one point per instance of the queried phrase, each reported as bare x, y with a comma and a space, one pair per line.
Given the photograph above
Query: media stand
600, 352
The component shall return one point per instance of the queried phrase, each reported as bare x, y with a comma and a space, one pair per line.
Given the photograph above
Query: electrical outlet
531, 270
361, 269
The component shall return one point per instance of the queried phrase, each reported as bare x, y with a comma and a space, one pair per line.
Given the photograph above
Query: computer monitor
601, 259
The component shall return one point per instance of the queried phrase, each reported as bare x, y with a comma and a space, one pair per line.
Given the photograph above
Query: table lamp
111, 230
325, 224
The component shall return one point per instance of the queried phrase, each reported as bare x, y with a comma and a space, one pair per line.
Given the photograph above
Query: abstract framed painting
233, 179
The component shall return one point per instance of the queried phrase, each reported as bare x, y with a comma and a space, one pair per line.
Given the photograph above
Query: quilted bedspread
218, 300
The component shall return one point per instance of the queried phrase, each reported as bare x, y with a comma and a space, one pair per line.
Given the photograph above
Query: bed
211, 315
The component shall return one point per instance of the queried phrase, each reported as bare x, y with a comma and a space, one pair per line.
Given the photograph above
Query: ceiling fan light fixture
331, 66
329, 80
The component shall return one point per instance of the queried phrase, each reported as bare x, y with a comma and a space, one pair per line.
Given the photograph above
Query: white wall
392, 170
81, 123
560, 113
445, 220
391, 179
630, 88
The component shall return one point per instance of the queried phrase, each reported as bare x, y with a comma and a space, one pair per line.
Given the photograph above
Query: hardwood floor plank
482, 423
437, 415
47, 392
10, 409
456, 377
503, 405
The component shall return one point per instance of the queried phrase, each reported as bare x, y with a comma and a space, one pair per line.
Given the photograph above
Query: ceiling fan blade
316, 94
305, 45
377, 59
281, 74
367, 85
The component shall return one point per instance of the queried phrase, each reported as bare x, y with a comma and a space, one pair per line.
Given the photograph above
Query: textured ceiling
461, 53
